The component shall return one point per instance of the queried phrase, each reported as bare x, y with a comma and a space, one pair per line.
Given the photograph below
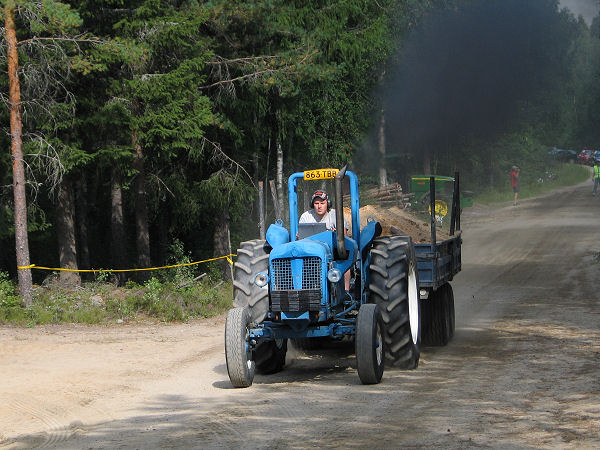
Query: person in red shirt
514, 182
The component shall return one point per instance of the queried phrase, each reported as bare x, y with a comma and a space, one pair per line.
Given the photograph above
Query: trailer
437, 264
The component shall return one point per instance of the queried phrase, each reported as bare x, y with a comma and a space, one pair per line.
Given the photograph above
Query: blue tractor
292, 287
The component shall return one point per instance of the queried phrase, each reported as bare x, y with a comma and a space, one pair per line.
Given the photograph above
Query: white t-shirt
310, 216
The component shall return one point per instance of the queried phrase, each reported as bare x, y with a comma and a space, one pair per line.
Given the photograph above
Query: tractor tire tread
253, 257
241, 374
391, 260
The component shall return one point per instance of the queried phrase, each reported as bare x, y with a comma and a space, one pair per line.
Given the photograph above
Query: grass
173, 295
555, 177
101, 302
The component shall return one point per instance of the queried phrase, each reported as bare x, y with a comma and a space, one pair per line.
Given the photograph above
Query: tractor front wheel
369, 344
240, 365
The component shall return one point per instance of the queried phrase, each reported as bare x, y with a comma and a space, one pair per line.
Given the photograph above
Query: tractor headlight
334, 275
261, 279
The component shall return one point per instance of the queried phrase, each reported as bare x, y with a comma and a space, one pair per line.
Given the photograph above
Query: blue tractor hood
303, 248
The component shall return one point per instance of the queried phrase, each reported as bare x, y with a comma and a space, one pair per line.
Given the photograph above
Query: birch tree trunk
141, 212
261, 210
67, 245
382, 169
280, 193
117, 225
16, 126
260, 206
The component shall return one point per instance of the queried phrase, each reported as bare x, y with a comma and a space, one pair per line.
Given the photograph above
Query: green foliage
47, 16
8, 293
100, 302
178, 255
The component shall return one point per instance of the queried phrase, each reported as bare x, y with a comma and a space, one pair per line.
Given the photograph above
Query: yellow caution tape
33, 266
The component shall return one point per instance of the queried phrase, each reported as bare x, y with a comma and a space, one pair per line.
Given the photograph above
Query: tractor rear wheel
394, 287
269, 356
240, 365
252, 257
369, 344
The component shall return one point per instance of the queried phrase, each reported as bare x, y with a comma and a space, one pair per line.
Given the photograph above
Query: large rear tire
369, 344
252, 257
269, 356
240, 365
394, 287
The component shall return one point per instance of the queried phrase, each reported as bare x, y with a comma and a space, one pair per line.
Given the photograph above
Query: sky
586, 8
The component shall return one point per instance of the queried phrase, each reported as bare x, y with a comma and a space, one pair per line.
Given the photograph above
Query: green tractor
420, 187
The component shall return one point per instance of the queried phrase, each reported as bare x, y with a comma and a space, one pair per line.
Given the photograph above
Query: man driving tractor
321, 212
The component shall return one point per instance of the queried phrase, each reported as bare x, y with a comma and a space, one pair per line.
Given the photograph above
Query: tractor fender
371, 230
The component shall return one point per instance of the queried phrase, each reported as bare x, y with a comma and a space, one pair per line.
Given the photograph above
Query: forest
142, 128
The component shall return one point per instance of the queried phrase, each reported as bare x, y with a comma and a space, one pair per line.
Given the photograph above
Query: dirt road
522, 371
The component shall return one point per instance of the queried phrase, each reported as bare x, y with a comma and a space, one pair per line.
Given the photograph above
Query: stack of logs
390, 195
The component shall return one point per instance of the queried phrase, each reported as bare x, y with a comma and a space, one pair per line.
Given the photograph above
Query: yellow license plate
320, 174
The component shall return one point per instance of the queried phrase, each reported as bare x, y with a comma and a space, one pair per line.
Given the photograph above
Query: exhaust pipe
339, 213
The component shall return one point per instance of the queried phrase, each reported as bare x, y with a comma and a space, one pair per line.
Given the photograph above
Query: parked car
596, 156
563, 155
585, 157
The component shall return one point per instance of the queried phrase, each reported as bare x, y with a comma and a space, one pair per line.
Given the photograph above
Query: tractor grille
311, 273
284, 297
282, 272
296, 300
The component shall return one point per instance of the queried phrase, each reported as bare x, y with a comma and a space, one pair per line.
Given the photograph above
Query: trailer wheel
369, 344
253, 257
269, 356
450, 310
440, 317
427, 319
240, 365
394, 287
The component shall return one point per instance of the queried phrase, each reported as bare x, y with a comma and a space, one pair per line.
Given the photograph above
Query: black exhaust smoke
470, 69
